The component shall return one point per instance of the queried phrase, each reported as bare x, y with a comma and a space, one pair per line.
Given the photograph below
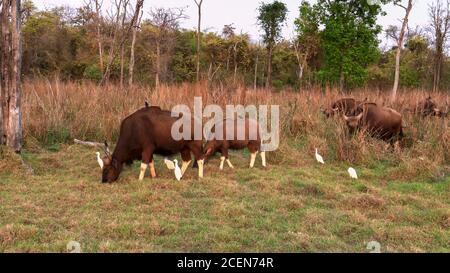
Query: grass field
402, 199
297, 206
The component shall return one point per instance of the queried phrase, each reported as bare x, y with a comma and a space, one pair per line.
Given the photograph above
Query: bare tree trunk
4, 73
199, 5
11, 88
256, 71
228, 58
158, 62
112, 48
399, 49
14, 133
269, 67
98, 7
300, 73
440, 23
133, 44
112, 52
301, 60
122, 46
235, 62
122, 61
437, 71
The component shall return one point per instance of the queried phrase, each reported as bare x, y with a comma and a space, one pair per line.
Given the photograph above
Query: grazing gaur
222, 142
428, 107
145, 133
342, 106
381, 122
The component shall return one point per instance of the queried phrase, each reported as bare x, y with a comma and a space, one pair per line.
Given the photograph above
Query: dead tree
440, 28
98, 24
255, 79
122, 46
133, 44
112, 47
400, 46
199, 33
10, 86
228, 33
124, 34
165, 23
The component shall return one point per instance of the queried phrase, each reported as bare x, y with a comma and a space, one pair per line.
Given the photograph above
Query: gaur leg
147, 159
196, 148
223, 157
253, 151
143, 169
186, 159
222, 160
152, 168
263, 159
252, 159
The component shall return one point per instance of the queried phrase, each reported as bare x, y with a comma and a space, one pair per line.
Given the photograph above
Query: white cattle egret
178, 174
319, 158
99, 160
169, 164
352, 173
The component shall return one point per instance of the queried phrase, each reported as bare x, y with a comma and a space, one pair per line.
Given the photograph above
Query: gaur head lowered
111, 167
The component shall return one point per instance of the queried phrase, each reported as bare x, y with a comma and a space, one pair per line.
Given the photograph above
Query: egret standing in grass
178, 174
169, 164
173, 165
99, 160
319, 158
352, 173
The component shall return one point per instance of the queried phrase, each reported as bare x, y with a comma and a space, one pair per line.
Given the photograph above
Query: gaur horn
358, 117
345, 117
107, 152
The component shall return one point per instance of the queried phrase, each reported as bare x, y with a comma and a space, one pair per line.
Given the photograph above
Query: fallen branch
89, 143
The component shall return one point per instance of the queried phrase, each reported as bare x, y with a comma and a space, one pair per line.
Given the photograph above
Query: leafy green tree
307, 42
270, 18
348, 39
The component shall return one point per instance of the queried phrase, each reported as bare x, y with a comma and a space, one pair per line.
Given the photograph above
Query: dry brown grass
57, 112
293, 205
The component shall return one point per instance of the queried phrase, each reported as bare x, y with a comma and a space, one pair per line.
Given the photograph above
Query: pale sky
217, 13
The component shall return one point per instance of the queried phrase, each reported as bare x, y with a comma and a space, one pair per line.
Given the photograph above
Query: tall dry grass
55, 112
